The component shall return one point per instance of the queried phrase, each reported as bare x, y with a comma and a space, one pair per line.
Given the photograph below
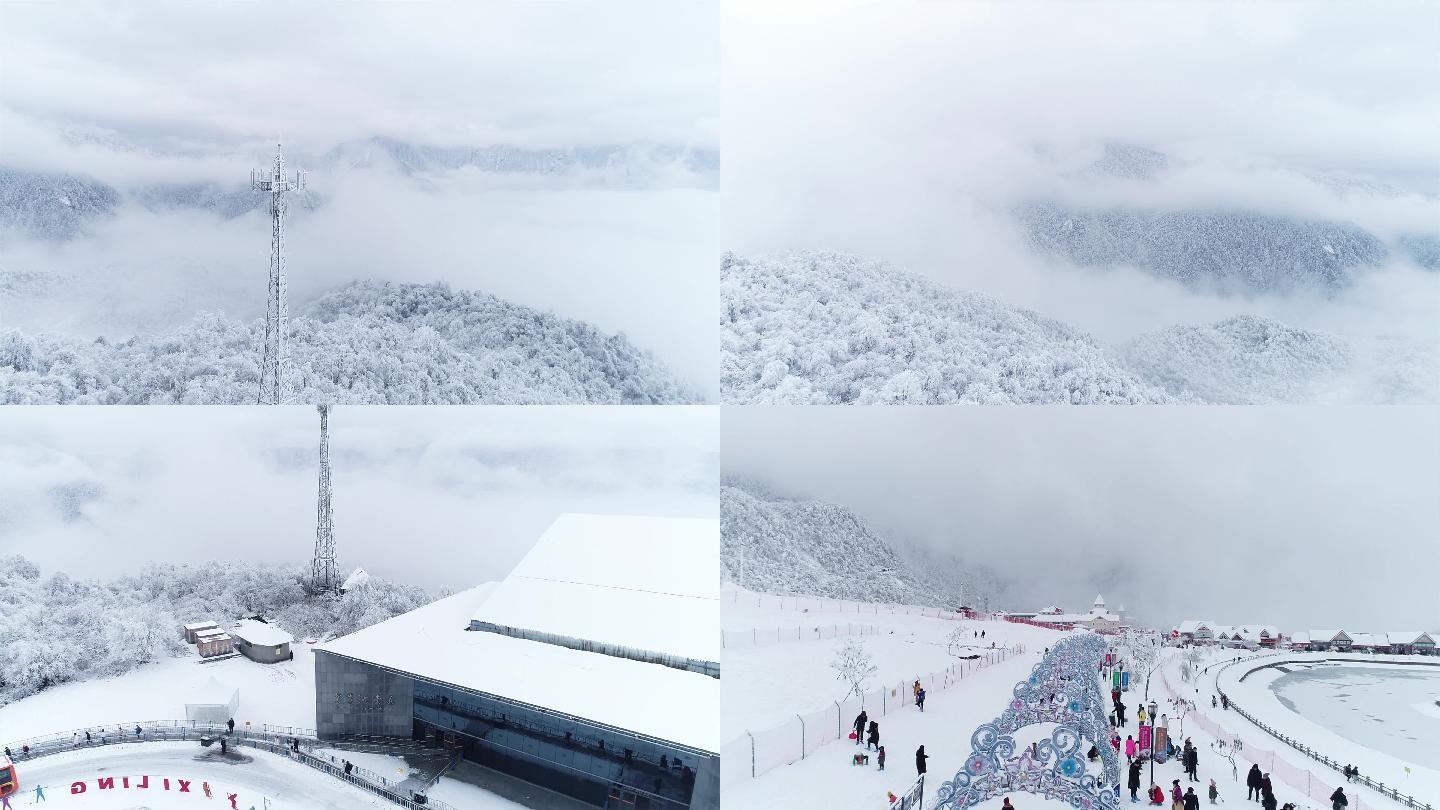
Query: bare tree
1141, 652
853, 667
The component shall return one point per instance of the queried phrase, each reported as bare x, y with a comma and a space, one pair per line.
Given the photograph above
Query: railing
274, 739
818, 604
1377, 786
759, 637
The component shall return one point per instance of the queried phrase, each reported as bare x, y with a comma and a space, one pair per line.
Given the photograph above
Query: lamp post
1154, 738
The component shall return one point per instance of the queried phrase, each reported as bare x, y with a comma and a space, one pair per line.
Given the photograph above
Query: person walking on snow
874, 736
1192, 761
1134, 780
920, 757
860, 720
1177, 798
230, 724
1252, 782
880, 757
1192, 802
1129, 748
39, 795
920, 700
1120, 713
1338, 800
1214, 792
1007, 805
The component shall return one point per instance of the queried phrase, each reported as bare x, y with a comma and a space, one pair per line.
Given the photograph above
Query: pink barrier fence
765, 636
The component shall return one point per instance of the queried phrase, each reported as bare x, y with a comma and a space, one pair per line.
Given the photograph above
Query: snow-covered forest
826, 328
363, 343
783, 546
58, 629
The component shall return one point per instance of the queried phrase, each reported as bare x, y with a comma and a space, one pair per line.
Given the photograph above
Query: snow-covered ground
768, 686
266, 781
281, 694
774, 685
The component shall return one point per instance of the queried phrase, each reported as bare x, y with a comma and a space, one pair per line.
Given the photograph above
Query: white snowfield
280, 694
650, 583
766, 687
1255, 697
649, 699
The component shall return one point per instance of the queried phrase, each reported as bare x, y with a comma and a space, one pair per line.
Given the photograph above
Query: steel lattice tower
277, 308
324, 570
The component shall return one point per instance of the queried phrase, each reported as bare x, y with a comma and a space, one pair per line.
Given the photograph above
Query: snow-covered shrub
56, 629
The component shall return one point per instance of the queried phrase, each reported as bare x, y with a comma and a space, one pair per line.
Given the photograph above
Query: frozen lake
1390, 709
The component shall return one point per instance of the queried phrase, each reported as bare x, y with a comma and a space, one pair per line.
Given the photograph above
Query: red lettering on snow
167, 783
106, 783
143, 783
184, 786
77, 787
125, 781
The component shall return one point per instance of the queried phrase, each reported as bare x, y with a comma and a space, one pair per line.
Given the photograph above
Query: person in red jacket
1157, 796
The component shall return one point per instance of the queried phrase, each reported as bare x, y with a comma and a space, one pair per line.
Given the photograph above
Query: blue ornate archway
1064, 689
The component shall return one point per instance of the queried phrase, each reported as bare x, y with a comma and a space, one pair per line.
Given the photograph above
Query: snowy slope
812, 548
53, 207
362, 343
824, 328
1245, 360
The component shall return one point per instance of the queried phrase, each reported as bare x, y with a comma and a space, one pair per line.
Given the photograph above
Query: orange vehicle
9, 782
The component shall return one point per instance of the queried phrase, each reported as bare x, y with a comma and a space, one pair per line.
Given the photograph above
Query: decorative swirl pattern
1062, 689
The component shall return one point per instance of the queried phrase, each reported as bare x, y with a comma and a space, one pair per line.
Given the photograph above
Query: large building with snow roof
592, 669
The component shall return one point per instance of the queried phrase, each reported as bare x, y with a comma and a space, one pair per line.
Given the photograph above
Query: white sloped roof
1405, 636
650, 583
260, 633
432, 642
1300, 637
1328, 635
1192, 625
211, 693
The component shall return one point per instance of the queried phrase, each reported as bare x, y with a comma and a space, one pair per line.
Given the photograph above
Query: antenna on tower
324, 570
277, 308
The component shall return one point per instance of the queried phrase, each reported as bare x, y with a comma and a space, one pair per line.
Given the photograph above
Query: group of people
869, 731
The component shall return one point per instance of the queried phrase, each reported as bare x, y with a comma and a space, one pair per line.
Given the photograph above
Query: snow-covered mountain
53, 207
820, 328
815, 548
228, 201
1225, 249
634, 161
364, 342
1246, 360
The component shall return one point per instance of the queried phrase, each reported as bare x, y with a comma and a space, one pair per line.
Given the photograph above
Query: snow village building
1197, 631
213, 642
193, 629
1409, 642
592, 669
1329, 640
262, 642
1098, 618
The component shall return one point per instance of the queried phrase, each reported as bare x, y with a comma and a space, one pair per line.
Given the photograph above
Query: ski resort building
1099, 618
1330, 640
262, 642
192, 630
1197, 631
1409, 642
591, 670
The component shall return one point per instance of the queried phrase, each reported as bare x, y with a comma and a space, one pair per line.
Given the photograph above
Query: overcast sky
516, 72
436, 496
1302, 517
906, 130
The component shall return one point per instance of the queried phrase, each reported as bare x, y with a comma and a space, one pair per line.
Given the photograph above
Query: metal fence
1309, 784
272, 739
756, 752
764, 636
815, 604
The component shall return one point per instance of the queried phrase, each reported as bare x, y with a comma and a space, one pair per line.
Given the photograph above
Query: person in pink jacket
1129, 747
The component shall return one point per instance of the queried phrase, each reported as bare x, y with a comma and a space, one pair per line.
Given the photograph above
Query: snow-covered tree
853, 667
